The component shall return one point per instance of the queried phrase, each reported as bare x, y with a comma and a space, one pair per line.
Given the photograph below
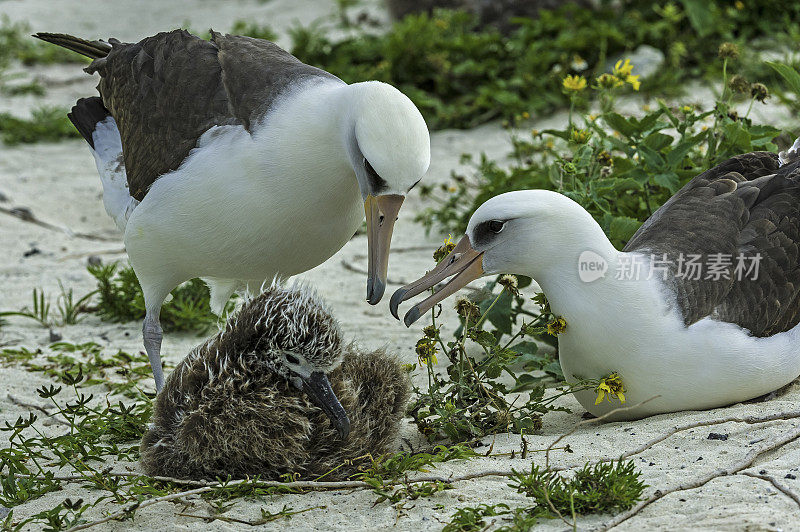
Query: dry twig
26, 215
32, 406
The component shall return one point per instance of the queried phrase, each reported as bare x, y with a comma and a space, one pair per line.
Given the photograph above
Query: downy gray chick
277, 391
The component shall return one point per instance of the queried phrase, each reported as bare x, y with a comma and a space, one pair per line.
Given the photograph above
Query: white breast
641, 335
243, 206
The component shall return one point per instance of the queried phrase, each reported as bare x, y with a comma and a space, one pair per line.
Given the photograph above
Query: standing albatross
693, 338
233, 161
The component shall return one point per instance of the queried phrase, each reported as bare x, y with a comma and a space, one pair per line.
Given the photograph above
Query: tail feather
86, 114
93, 49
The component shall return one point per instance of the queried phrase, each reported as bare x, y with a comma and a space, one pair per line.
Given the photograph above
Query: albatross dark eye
495, 226
292, 359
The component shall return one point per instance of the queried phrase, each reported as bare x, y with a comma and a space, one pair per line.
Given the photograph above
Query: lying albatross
233, 161
725, 333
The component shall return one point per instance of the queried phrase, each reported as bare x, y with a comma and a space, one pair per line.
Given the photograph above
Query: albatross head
297, 338
389, 148
529, 232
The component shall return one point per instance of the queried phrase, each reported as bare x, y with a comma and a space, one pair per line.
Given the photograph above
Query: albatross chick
277, 391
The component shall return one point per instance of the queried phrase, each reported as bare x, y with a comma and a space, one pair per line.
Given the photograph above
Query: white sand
58, 182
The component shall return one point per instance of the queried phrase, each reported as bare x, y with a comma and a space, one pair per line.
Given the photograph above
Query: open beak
319, 390
464, 263
381, 213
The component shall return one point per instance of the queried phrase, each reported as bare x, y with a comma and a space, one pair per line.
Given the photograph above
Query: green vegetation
46, 124
69, 310
791, 94
120, 299
460, 75
621, 169
603, 488
473, 400
16, 44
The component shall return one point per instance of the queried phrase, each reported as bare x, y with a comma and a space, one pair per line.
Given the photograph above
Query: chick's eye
495, 226
292, 359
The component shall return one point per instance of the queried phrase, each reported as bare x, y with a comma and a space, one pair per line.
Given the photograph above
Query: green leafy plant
69, 310
461, 74
621, 169
474, 401
791, 95
16, 44
604, 487
45, 124
473, 519
120, 299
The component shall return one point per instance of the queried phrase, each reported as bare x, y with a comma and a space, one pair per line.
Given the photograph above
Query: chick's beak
318, 388
381, 213
464, 264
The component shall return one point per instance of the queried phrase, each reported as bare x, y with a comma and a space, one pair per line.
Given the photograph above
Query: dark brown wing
745, 207
165, 91
255, 72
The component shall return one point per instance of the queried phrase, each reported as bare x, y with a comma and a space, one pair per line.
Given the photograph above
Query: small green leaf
623, 227
667, 180
658, 141
620, 123
700, 16
789, 74
737, 136
526, 348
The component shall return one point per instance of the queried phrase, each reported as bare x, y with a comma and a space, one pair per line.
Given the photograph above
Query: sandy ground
58, 182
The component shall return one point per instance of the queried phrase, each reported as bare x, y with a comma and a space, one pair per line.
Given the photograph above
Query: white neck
568, 265
286, 129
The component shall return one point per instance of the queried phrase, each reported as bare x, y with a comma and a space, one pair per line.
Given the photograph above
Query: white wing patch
111, 166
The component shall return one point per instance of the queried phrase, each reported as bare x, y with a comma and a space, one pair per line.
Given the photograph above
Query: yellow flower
444, 249
623, 70
611, 386
739, 5
605, 159
557, 326
426, 351
687, 109
579, 136
608, 81
526, 115
574, 83
634, 81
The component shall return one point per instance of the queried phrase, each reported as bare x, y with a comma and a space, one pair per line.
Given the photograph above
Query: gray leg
151, 333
